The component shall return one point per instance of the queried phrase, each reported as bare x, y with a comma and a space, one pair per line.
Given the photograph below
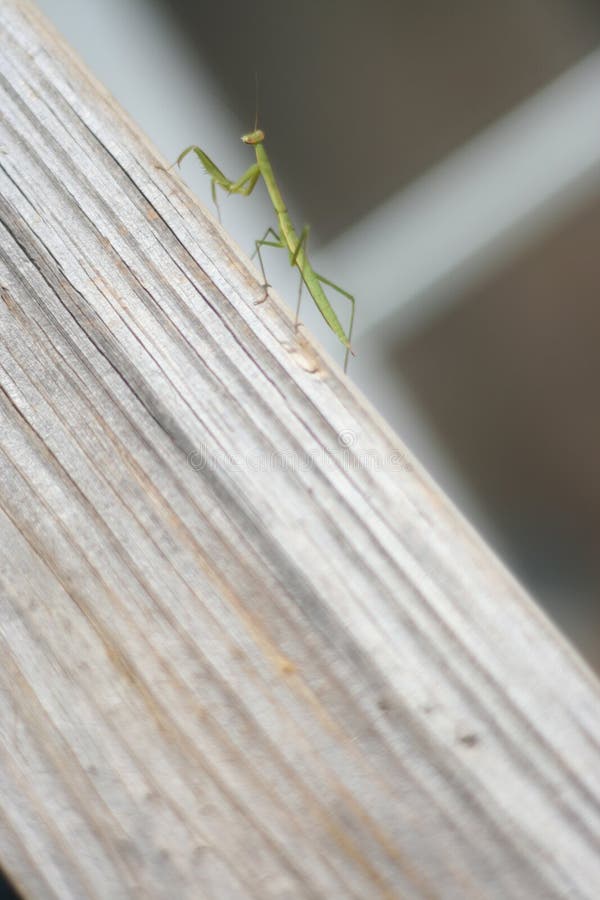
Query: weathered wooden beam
247, 648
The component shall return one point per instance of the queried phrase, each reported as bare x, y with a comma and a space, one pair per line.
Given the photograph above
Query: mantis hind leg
300, 286
293, 261
349, 297
263, 242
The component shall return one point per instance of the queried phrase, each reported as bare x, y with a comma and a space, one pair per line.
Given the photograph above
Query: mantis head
255, 137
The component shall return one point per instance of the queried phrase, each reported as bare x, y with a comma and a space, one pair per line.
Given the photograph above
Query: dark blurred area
357, 100
372, 94
7, 889
510, 380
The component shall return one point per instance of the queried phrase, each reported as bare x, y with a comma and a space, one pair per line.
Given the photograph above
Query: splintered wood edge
248, 647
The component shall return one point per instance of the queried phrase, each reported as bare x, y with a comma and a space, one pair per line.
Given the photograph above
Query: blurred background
447, 158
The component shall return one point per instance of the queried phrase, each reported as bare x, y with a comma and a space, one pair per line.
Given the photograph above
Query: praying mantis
287, 239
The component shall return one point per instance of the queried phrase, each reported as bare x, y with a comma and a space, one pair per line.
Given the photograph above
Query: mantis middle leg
263, 242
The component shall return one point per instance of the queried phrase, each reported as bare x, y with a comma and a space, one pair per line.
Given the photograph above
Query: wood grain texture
247, 648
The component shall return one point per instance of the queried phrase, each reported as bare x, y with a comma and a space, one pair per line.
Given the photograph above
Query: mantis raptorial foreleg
244, 185
287, 237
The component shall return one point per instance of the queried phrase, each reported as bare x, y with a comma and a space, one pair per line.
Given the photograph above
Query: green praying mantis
287, 239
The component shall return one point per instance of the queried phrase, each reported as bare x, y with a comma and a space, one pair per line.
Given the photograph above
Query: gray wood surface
247, 648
